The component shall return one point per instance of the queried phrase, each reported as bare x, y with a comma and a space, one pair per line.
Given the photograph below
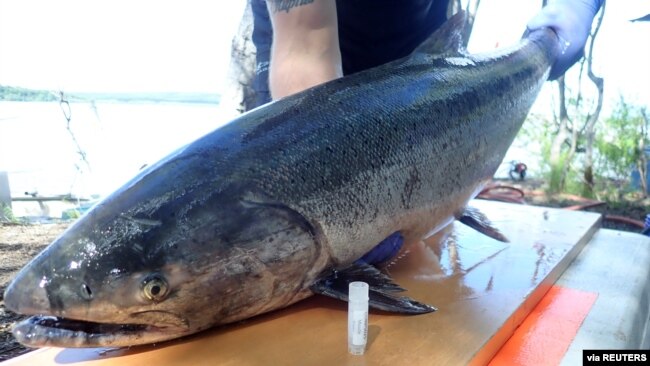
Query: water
40, 156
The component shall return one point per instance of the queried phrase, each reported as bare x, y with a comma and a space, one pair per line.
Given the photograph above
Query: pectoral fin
477, 220
381, 294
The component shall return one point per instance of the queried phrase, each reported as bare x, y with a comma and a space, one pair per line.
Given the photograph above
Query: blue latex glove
571, 20
384, 251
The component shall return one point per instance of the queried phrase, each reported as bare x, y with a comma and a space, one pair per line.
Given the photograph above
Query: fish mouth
41, 331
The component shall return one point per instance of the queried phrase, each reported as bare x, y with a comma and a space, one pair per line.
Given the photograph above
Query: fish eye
86, 292
155, 288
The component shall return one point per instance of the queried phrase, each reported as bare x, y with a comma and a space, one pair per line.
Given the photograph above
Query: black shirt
371, 33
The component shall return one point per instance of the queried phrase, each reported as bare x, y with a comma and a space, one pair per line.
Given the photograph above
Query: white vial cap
358, 291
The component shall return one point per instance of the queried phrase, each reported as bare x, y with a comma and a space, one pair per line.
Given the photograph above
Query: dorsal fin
446, 40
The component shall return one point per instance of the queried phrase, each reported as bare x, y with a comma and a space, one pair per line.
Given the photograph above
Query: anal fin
477, 220
381, 293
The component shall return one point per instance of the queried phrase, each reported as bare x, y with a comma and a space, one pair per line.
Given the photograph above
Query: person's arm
571, 20
305, 49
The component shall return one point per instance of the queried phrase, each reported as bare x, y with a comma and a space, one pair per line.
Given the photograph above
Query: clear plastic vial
357, 317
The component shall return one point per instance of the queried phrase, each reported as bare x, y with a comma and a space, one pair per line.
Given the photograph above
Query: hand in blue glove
571, 20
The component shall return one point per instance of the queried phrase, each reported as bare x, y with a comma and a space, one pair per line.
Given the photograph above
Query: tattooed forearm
286, 5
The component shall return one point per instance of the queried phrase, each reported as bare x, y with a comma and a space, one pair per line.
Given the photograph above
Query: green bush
10, 93
6, 214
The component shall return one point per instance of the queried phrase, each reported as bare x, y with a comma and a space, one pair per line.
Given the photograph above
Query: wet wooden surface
483, 289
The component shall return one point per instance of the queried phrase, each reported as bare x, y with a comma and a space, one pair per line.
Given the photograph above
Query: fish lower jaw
46, 331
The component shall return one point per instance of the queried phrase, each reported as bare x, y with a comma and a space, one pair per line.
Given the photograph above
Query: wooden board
483, 289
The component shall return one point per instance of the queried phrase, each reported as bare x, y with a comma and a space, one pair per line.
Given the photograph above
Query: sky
621, 52
117, 45
184, 46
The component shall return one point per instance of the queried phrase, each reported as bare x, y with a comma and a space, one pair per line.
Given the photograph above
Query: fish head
120, 277
95, 286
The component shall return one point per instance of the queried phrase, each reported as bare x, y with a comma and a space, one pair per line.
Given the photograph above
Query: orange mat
546, 334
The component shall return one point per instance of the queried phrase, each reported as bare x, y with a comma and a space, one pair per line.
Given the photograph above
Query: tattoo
286, 5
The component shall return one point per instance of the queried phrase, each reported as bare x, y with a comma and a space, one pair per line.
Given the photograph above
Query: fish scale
474, 149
